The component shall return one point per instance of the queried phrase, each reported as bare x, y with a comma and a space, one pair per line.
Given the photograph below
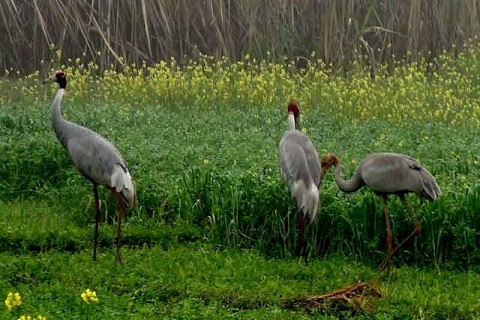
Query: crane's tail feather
307, 199
431, 190
122, 181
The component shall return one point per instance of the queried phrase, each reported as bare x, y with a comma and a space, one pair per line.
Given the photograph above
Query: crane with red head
96, 159
388, 173
300, 169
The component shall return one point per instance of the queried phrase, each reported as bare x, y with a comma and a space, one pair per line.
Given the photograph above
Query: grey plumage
388, 173
300, 169
96, 159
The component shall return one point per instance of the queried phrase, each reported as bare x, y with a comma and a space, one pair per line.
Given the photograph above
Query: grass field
213, 235
174, 277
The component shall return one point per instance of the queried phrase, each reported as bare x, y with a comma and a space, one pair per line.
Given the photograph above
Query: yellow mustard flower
26, 317
13, 300
89, 296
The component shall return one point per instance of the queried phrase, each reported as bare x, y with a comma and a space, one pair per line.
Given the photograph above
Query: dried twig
352, 297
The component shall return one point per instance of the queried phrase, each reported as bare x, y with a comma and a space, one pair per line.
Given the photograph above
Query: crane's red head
60, 77
329, 160
293, 107
326, 162
295, 111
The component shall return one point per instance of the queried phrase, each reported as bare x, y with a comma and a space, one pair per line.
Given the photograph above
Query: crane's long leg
418, 226
121, 203
386, 263
301, 234
97, 220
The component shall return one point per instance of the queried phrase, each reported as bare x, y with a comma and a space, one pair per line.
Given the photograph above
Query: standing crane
300, 169
388, 173
96, 159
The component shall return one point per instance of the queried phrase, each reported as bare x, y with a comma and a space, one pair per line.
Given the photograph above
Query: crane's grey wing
94, 156
427, 185
313, 161
100, 162
294, 155
386, 172
289, 161
393, 172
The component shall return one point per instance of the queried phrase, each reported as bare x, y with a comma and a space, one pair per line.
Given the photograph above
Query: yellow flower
39, 317
13, 300
205, 161
89, 296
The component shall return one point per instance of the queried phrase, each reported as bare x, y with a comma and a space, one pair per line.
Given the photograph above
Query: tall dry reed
150, 30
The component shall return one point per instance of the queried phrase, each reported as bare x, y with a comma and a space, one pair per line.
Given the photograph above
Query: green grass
178, 278
216, 169
182, 244
214, 234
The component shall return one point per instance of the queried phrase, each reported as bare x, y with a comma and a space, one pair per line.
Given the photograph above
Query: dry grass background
150, 30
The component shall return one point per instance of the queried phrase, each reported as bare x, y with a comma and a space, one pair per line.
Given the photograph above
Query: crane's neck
351, 185
291, 121
59, 124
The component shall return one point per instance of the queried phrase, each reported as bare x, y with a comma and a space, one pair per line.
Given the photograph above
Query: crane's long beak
323, 172
298, 123
47, 80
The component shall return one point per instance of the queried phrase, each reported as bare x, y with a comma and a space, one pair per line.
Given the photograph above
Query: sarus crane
300, 169
388, 173
96, 159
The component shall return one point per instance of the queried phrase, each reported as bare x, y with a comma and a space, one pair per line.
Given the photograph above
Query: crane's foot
118, 257
384, 265
304, 255
305, 258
